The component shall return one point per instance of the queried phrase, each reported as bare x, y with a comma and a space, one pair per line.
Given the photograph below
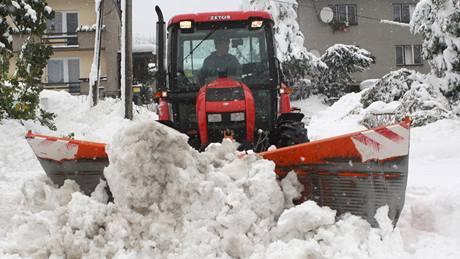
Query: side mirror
279, 71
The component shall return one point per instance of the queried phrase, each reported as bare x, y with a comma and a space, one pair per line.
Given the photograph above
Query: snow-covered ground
173, 202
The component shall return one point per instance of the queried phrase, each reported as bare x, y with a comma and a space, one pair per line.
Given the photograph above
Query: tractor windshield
208, 51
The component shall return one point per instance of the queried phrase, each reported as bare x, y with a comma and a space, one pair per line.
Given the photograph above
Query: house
72, 35
143, 56
358, 22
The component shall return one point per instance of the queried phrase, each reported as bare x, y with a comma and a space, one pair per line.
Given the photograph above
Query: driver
219, 60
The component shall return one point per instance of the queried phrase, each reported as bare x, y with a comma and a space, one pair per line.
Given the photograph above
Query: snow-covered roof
144, 48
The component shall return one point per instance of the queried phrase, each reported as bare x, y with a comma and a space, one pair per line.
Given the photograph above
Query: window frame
347, 22
65, 63
64, 22
411, 7
403, 53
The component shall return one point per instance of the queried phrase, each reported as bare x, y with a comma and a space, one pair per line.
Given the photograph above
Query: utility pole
95, 86
128, 37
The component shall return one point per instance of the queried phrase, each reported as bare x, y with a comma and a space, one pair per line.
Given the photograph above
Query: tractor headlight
185, 24
237, 116
215, 117
256, 24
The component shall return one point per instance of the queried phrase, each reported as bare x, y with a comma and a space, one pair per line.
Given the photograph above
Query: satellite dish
326, 15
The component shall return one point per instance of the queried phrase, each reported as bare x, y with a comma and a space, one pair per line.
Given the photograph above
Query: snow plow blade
356, 173
65, 158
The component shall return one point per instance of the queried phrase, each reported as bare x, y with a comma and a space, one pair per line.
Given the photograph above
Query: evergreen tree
19, 93
297, 63
341, 60
438, 21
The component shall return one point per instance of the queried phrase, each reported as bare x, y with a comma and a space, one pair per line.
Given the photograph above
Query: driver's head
222, 45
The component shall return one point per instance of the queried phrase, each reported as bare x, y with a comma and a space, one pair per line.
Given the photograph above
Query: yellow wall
85, 8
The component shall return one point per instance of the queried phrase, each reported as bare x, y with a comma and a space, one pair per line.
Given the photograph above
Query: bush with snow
391, 87
413, 95
341, 60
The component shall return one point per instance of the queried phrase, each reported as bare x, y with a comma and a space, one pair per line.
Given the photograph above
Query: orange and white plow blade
357, 172
65, 158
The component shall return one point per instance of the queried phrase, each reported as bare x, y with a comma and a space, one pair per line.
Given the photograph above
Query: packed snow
174, 202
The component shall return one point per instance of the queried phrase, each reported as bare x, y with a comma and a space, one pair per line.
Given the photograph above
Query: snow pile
75, 117
172, 202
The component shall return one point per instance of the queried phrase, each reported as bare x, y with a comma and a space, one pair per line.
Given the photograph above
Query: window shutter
405, 13
399, 55
408, 57
352, 14
55, 71
74, 75
74, 70
72, 22
396, 12
342, 13
418, 54
55, 25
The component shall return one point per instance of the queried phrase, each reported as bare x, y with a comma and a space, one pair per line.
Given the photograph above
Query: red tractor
223, 78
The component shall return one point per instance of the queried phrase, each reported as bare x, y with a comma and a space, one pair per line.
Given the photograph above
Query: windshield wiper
205, 38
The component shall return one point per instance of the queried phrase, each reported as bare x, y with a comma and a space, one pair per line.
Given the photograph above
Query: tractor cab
216, 62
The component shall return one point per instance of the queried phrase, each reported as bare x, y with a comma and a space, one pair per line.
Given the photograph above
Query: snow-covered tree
297, 62
417, 97
19, 93
341, 60
438, 21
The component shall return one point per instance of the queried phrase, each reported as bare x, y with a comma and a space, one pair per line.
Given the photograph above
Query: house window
64, 71
345, 14
409, 55
64, 23
403, 12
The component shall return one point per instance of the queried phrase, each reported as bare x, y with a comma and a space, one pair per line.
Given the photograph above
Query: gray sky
144, 17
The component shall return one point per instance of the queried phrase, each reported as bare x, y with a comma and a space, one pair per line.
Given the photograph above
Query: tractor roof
219, 16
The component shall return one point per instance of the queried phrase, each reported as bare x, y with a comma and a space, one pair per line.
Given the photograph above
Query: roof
144, 47
219, 16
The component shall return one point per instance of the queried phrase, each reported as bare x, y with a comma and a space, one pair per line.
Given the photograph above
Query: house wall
85, 48
86, 9
379, 38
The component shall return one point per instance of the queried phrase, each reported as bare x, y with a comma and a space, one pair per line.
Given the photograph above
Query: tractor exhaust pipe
161, 74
